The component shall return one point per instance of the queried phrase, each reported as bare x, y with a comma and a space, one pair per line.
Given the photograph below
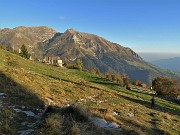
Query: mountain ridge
14, 38
96, 52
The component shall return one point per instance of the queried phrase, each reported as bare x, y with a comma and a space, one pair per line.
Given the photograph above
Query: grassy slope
46, 84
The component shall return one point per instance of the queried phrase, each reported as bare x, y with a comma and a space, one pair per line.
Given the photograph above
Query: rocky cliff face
29, 36
79, 44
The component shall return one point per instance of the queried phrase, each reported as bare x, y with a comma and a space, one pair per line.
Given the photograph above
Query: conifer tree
24, 52
79, 64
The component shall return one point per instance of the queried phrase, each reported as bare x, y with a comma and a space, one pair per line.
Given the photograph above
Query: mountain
171, 64
96, 52
29, 36
99, 54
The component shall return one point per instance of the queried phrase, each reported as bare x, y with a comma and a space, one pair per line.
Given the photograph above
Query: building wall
53, 60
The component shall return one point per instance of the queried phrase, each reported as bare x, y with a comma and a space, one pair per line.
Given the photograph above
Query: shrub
126, 81
70, 66
113, 77
166, 86
136, 83
53, 124
78, 113
12, 63
108, 77
74, 130
79, 64
119, 80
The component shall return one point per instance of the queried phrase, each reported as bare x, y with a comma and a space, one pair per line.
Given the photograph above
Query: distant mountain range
171, 64
149, 57
96, 52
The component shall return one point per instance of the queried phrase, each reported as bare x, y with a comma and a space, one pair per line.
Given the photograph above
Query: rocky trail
26, 119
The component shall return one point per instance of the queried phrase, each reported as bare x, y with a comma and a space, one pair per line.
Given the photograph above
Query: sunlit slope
38, 84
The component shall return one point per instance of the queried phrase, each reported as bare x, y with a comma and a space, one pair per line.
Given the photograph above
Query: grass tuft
77, 112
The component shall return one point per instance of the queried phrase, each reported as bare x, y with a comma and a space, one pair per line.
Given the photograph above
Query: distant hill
149, 57
171, 64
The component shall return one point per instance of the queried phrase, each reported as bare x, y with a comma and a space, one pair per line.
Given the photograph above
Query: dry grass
74, 120
77, 112
6, 121
74, 130
110, 117
53, 124
37, 84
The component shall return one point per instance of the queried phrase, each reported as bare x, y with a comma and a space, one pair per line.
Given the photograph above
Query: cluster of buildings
53, 60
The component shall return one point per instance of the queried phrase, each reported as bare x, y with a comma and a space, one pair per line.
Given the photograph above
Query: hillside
26, 87
171, 64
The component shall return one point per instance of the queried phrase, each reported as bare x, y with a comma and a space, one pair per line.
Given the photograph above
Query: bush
166, 86
11, 62
136, 83
119, 80
78, 113
53, 124
74, 130
126, 81
108, 77
79, 64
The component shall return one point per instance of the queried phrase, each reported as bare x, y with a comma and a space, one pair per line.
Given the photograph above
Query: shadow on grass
103, 81
170, 99
18, 94
156, 130
77, 83
148, 105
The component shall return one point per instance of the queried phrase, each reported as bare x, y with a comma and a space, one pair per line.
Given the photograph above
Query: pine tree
79, 64
24, 52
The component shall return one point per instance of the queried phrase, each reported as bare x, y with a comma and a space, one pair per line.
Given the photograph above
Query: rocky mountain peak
78, 44
70, 31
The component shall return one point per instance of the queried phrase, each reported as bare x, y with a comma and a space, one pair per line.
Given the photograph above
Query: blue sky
142, 25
